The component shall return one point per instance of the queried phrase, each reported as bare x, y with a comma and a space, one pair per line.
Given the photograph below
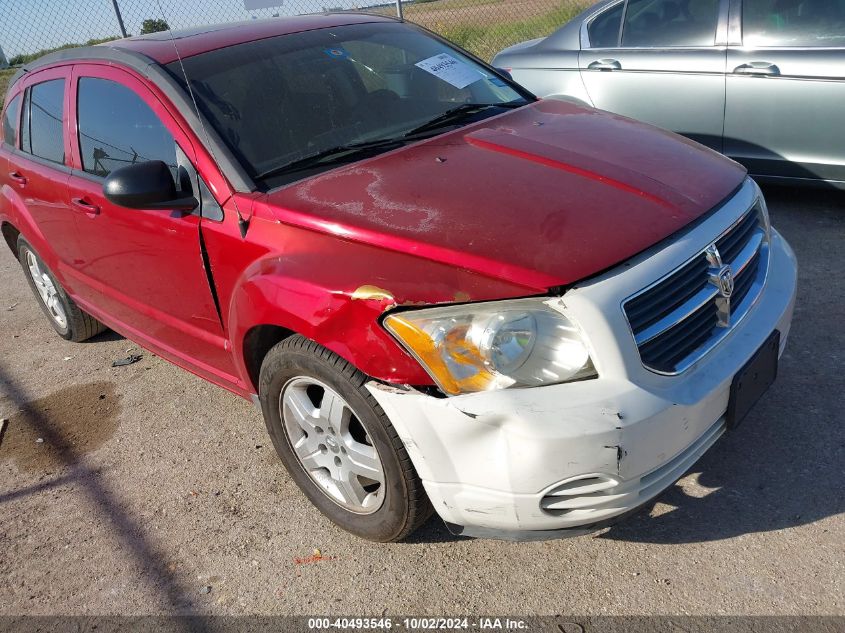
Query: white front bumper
487, 460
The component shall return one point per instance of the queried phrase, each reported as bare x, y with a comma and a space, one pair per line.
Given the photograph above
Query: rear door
785, 108
39, 167
144, 269
662, 62
9, 140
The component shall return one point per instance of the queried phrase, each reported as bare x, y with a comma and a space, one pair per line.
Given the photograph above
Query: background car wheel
338, 444
72, 323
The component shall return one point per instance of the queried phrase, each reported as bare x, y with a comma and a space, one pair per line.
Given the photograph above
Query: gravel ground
151, 486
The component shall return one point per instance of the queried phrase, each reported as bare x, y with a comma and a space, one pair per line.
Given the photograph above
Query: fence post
399, 9
119, 18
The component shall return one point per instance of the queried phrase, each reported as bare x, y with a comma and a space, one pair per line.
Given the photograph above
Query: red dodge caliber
444, 295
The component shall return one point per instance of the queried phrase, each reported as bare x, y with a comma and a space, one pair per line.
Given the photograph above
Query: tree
153, 25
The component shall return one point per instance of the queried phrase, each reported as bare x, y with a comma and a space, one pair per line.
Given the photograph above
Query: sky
30, 25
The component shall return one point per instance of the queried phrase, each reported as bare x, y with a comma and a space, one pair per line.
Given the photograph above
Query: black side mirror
146, 185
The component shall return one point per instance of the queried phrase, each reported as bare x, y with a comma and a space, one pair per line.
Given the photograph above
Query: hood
541, 196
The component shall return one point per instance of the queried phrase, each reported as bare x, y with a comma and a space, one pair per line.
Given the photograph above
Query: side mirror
146, 185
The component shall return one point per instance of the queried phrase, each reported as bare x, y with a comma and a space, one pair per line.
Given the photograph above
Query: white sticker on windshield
451, 70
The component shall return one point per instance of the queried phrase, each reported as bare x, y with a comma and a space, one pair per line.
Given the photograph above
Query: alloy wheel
332, 445
46, 290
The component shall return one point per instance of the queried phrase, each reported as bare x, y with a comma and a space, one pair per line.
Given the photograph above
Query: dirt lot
151, 485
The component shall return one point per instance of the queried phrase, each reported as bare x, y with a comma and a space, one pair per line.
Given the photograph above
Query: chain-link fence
28, 28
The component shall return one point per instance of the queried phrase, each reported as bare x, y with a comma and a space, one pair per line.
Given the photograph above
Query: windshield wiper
333, 155
351, 151
454, 115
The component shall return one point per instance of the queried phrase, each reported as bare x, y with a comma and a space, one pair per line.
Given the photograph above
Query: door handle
757, 68
18, 178
605, 64
90, 209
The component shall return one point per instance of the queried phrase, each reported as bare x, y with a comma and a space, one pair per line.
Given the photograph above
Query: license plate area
752, 381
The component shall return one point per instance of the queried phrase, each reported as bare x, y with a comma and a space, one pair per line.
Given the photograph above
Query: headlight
483, 346
763, 212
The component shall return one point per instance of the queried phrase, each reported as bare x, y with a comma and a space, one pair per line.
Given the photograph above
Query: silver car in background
762, 81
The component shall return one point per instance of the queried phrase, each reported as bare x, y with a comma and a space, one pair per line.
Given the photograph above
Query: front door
786, 89
144, 269
665, 66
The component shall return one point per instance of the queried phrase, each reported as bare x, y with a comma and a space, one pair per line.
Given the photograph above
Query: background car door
786, 88
39, 168
144, 269
665, 66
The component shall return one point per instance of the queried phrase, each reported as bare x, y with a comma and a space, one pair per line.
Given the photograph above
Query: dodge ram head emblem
722, 277
726, 282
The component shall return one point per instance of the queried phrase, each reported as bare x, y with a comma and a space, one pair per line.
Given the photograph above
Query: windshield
286, 100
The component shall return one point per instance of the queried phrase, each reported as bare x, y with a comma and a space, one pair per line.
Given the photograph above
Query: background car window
793, 23
45, 109
116, 128
11, 120
604, 29
670, 23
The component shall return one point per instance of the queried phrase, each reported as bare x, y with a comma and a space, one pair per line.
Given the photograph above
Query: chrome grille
683, 315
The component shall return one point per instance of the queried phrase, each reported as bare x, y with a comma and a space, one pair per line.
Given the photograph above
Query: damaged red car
445, 295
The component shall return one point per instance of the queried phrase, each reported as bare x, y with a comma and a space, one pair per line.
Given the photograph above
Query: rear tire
328, 430
68, 319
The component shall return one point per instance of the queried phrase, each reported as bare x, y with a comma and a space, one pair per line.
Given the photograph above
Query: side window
654, 23
604, 29
11, 120
116, 128
793, 23
42, 132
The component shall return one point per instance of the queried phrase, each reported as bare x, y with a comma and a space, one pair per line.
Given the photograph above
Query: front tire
68, 319
337, 443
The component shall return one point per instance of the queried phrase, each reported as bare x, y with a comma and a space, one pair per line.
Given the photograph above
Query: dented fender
332, 291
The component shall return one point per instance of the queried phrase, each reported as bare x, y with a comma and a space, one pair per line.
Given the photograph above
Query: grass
484, 27
19, 60
5, 76
486, 41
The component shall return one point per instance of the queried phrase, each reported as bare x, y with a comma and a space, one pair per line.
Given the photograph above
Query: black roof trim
161, 78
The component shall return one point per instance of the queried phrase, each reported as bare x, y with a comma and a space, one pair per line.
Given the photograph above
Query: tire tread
81, 325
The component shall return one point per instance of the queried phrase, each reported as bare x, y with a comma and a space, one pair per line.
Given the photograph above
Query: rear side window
11, 120
604, 30
43, 114
793, 23
656, 23
116, 128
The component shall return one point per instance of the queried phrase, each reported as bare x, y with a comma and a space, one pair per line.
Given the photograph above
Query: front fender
335, 291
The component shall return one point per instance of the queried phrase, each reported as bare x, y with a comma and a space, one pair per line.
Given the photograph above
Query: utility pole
119, 18
399, 9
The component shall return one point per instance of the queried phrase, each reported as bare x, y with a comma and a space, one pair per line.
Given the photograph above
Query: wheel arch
10, 235
257, 342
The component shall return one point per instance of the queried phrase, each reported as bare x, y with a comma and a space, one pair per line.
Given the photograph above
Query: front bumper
565, 459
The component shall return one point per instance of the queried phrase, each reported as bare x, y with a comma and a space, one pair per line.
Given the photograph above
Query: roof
159, 46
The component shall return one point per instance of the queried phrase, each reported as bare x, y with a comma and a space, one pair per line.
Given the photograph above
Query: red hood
541, 196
